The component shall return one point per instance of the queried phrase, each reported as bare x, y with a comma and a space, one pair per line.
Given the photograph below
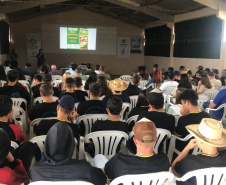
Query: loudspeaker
4, 37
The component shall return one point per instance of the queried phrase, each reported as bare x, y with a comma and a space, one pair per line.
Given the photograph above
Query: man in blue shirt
27, 70
218, 101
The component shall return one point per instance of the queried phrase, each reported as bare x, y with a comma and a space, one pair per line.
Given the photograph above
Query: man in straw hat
209, 135
117, 86
146, 159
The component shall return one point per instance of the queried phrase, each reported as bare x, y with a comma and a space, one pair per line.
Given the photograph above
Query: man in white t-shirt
170, 83
213, 80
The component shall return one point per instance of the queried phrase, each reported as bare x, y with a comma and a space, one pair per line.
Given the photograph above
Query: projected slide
78, 38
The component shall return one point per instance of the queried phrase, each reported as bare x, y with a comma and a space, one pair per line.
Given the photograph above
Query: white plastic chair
61, 182
202, 98
105, 142
207, 176
56, 77
40, 100
56, 82
166, 92
28, 78
2, 83
133, 118
101, 97
26, 84
18, 112
124, 108
18, 102
143, 83
133, 100
126, 78
89, 120
161, 134
223, 119
173, 149
223, 87
34, 122
14, 145
211, 94
159, 178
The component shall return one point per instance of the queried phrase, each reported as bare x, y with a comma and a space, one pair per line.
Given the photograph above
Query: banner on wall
123, 47
33, 46
136, 45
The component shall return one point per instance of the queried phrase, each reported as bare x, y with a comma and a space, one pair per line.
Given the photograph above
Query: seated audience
15, 164
114, 108
97, 67
72, 69
77, 95
194, 82
54, 70
6, 120
213, 80
2, 73
218, 101
65, 114
157, 79
144, 74
133, 88
27, 70
44, 69
7, 66
223, 78
78, 73
200, 69
21, 75
216, 72
57, 163
177, 76
47, 79
170, 83
197, 77
170, 69
182, 69
102, 72
191, 113
209, 135
146, 159
117, 86
204, 84
206, 71
63, 83
92, 78
104, 86
88, 69
94, 105
48, 107
37, 81
13, 89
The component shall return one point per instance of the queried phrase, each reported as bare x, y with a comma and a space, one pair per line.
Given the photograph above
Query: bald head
53, 67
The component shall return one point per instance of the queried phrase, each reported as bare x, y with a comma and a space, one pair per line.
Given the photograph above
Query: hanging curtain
199, 38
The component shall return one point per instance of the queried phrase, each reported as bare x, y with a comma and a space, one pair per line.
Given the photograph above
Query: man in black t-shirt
114, 108
78, 95
117, 86
37, 81
94, 105
46, 79
13, 89
133, 88
146, 159
65, 113
209, 135
48, 107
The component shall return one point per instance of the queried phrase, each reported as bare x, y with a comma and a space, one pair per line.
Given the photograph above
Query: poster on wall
136, 45
33, 46
123, 47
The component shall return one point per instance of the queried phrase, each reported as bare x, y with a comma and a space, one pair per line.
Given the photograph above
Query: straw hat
210, 131
118, 85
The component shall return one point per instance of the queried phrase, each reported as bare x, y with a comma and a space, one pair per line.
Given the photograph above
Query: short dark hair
171, 75
38, 77
190, 96
46, 89
156, 66
95, 89
207, 69
7, 63
156, 100
47, 78
216, 71
200, 73
189, 72
13, 75
176, 73
102, 68
44, 68
114, 104
142, 99
136, 79
28, 65
78, 70
97, 67
65, 111
171, 69
6, 105
74, 66
70, 83
182, 68
88, 65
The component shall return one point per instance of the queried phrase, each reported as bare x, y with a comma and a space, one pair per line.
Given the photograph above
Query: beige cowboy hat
118, 85
209, 131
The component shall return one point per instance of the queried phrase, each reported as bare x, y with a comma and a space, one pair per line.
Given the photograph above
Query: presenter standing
40, 58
